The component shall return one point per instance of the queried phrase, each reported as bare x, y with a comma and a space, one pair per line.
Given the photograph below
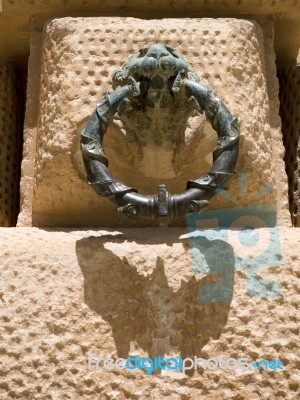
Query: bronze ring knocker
161, 70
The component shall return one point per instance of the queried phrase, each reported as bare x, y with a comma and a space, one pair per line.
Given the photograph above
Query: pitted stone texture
10, 142
80, 56
16, 17
290, 114
122, 293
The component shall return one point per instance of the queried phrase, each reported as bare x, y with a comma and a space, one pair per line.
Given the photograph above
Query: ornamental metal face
154, 94
158, 110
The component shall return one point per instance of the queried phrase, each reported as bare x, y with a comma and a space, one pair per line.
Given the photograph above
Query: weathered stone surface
30, 128
127, 292
289, 111
10, 143
79, 58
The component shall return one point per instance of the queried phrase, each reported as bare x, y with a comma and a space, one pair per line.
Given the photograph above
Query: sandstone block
79, 57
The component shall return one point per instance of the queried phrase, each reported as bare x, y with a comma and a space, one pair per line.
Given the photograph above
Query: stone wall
10, 145
138, 291
290, 114
131, 292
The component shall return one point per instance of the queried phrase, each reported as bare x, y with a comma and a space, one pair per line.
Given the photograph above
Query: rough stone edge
284, 217
283, 214
30, 127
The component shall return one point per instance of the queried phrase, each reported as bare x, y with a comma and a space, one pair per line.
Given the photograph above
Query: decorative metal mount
157, 81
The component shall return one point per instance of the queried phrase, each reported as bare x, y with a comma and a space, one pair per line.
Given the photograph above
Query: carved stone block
79, 58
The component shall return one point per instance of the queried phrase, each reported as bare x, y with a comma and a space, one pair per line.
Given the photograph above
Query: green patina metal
154, 94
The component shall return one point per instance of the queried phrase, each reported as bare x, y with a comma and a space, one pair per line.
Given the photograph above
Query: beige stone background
79, 57
120, 292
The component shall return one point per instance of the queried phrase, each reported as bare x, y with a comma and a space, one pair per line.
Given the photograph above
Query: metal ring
162, 207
